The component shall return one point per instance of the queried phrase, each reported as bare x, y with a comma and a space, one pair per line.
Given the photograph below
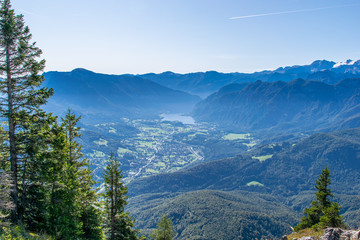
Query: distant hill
213, 215
201, 83
206, 83
298, 105
282, 174
99, 94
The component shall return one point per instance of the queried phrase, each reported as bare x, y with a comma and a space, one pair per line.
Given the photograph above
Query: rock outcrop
334, 234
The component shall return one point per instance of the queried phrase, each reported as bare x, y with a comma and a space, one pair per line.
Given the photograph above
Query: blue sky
140, 36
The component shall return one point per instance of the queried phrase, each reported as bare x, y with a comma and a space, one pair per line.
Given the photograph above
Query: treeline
46, 185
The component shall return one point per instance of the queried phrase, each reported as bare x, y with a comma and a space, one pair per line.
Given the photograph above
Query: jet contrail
24, 11
287, 12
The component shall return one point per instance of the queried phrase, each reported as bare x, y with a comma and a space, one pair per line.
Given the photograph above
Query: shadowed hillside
295, 106
216, 215
125, 95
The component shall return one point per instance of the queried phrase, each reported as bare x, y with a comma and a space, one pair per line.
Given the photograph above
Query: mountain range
113, 96
206, 83
89, 93
297, 106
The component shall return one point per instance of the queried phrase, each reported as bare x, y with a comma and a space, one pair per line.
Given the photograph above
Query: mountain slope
282, 170
298, 105
201, 83
124, 95
215, 214
238, 195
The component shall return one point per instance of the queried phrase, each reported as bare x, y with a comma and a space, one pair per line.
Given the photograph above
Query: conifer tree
90, 206
323, 212
73, 211
164, 230
118, 223
19, 86
323, 193
34, 170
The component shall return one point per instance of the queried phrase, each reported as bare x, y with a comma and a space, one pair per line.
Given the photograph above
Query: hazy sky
139, 36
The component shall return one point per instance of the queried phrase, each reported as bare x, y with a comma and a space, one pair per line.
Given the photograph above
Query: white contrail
287, 12
26, 12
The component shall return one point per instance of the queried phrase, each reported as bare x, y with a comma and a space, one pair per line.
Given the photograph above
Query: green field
254, 183
263, 158
236, 136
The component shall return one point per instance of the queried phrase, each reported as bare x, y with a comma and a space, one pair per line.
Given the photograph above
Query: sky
142, 36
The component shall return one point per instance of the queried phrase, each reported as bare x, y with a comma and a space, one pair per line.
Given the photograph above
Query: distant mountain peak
81, 70
324, 61
168, 73
348, 62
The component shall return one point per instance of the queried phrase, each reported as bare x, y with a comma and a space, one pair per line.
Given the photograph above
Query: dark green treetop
323, 191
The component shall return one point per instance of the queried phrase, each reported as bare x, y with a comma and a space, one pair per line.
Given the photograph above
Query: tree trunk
12, 129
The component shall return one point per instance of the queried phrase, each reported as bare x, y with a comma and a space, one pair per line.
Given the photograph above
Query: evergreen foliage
6, 205
323, 212
41, 164
20, 90
20, 233
164, 230
74, 208
118, 224
34, 171
5, 202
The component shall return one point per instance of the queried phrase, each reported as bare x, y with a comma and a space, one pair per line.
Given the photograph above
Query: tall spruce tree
118, 224
323, 212
74, 212
19, 86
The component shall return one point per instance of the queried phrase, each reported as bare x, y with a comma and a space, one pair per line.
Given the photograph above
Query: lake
177, 117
